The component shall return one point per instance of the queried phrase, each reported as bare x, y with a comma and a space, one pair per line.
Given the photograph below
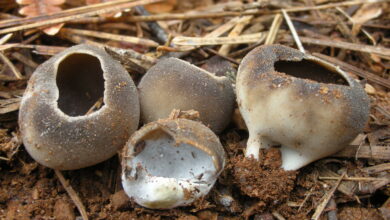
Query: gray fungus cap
56, 129
176, 84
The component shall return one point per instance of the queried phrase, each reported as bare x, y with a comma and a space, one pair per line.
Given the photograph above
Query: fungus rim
137, 137
333, 69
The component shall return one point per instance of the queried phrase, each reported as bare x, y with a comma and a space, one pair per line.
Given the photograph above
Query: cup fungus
170, 163
175, 84
55, 128
308, 106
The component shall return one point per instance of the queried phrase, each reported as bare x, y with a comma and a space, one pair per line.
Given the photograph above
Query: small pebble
369, 89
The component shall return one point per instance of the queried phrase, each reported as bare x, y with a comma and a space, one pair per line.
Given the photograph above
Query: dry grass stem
377, 168
186, 16
5, 38
215, 33
236, 31
51, 21
9, 105
350, 68
326, 198
14, 70
293, 31
72, 194
22, 58
365, 151
348, 46
64, 13
278, 216
351, 178
273, 31
202, 41
114, 37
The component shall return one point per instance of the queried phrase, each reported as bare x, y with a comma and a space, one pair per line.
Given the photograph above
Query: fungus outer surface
55, 128
308, 106
176, 84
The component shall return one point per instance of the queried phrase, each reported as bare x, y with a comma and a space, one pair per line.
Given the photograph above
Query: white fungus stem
253, 148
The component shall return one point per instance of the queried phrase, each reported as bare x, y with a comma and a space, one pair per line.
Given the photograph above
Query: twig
377, 168
332, 23
5, 38
293, 31
245, 50
362, 73
223, 56
186, 16
22, 58
143, 60
98, 104
198, 15
5, 59
278, 216
51, 21
73, 195
63, 13
365, 151
157, 30
306, 198
351, 178
346, 45
348, 188
236, 31
14, 70
345, 14
383, 111
215, 33
273, 29
116, 37
223, 28
9, 105
332, 207
201, 41
326, 199
4, 158
77, 39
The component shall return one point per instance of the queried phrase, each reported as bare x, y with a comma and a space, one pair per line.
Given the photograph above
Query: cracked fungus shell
175, 84
170, 163
308, 106
55, 128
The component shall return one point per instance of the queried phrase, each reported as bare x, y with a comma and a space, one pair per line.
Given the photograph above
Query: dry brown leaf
161, 7
33, 8
365, 13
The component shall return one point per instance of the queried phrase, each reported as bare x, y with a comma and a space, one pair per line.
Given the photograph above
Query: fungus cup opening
80, 83
164, 174
161, 156
312, 70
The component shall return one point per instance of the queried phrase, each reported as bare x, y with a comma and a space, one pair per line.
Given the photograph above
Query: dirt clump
263, 179
358, 213
64, 210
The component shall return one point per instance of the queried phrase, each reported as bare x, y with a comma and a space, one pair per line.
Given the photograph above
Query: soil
252, 189
263, 179
246, 189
